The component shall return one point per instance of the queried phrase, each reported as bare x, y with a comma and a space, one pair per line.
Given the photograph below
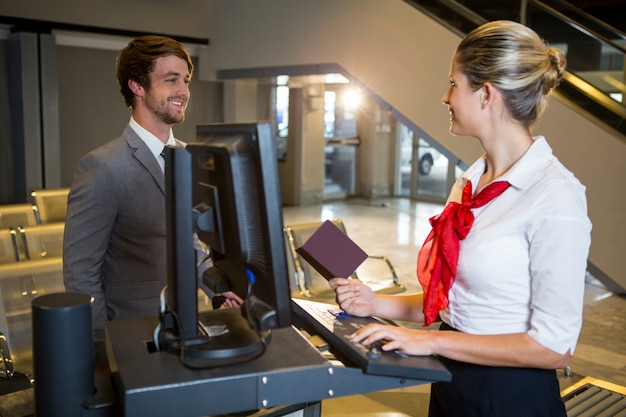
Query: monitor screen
225, 188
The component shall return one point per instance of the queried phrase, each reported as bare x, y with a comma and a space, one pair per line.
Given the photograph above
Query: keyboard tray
332, 324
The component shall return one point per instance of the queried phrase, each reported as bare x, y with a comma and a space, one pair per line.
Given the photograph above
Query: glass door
422, 171
341, 102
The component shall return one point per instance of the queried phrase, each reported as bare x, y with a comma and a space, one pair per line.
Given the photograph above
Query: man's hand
227, 299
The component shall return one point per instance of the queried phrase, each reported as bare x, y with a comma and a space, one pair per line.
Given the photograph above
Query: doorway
422, 171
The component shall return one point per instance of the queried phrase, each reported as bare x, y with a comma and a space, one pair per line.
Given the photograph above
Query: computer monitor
225, 188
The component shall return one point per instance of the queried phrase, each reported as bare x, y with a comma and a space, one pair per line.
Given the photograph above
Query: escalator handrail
577, 25
605, 26
594, 92
464, 11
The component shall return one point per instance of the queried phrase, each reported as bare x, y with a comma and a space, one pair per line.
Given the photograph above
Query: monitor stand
225, 338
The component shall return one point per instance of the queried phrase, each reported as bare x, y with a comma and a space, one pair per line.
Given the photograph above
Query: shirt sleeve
560, 238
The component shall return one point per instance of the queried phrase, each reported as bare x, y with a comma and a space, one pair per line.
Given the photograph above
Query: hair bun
556, 70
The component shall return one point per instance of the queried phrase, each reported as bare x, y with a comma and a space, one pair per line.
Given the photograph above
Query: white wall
403, 57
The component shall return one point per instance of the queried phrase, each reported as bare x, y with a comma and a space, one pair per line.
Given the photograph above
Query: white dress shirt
154, 144
522, 266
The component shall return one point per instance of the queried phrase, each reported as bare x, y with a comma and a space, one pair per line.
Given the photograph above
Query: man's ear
136, 88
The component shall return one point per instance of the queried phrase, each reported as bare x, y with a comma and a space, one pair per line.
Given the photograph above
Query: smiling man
115, 246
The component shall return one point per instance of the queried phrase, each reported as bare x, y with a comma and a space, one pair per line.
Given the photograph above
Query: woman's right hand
354, 297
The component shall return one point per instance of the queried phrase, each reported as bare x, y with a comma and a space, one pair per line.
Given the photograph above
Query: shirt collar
523, 173
154, 144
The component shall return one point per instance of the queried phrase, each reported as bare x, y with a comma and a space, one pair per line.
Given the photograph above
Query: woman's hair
516, 61
137, 60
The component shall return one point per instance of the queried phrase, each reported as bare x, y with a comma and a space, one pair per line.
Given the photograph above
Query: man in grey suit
115, 246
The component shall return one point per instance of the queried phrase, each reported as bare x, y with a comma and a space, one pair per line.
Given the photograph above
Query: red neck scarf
438, 257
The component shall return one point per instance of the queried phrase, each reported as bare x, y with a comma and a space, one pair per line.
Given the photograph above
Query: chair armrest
389, 264
6, 363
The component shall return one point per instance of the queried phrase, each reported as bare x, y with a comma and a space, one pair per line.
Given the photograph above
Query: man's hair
137, 60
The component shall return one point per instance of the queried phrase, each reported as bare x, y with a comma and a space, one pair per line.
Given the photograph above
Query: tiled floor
396, 228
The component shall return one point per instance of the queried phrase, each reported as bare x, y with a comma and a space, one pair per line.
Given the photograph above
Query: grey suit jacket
115, 240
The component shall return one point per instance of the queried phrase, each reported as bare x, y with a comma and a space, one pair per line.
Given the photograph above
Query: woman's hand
408, 341
515, 349
354, 297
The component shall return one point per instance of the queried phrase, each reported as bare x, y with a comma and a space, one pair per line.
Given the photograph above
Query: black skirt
486, 391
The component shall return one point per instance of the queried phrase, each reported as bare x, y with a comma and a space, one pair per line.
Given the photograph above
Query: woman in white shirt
505, 276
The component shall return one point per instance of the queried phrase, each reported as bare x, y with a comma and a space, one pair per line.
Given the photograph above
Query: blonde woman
504, 266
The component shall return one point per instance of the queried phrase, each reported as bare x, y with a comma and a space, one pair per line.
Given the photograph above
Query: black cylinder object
62, 354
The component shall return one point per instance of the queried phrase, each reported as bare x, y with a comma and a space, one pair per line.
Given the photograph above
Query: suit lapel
142, 154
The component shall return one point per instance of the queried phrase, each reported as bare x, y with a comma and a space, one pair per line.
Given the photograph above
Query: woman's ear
487, 94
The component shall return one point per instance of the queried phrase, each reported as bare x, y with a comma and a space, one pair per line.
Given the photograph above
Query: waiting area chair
51, 204
305, 282
31, 243
20, 284
31, 265
9, 246
43, 241
11, 380
17, 215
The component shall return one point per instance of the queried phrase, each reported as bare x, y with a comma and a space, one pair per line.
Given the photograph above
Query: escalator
595, 49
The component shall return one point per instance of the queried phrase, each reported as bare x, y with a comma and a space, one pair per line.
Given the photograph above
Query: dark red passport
331, 252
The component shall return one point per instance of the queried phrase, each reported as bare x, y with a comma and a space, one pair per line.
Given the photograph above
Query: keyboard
332, 324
